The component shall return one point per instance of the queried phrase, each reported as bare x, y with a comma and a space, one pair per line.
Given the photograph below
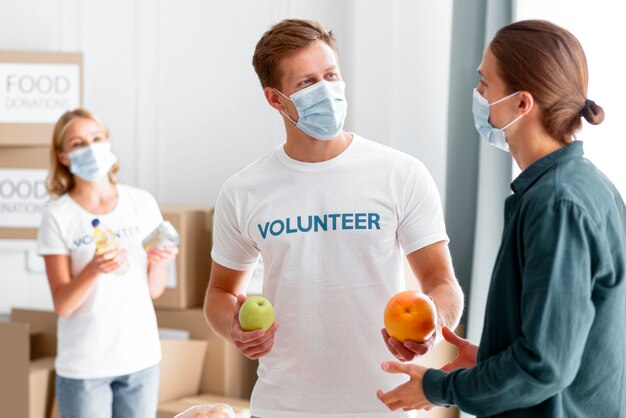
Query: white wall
175, 83
600, 29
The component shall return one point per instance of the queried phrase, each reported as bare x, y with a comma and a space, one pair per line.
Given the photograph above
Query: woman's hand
409, 349
107, 262
252, 344
162, 256
468, 352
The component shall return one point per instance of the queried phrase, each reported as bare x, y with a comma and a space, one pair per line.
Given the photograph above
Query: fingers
403, 397
403, 353
254, 338
452, 338
240, 300
393, 398
109, 261
397, 367
260, 350
162, 255
449, 367
173, 250
386, 339
255, 344
419, 348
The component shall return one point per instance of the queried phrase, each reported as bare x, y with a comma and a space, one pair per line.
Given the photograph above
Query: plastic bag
218, 410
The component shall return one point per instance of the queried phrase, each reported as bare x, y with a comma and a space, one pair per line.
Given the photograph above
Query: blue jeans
133, 395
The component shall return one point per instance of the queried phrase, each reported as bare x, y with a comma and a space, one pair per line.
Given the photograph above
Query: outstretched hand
468, 352
409, 395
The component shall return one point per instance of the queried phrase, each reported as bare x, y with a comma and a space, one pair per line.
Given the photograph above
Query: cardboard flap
15, 365
193, 264
181, 368
41, 391
43, 327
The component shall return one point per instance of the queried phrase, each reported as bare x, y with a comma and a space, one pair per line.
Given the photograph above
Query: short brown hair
61, 180
283, 39
548, 62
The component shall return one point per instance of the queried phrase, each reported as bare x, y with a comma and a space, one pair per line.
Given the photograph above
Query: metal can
164, 235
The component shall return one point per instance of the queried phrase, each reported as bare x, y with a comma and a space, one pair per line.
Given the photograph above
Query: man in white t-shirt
330, 213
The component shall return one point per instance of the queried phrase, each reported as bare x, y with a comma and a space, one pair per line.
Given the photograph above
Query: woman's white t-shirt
114, 331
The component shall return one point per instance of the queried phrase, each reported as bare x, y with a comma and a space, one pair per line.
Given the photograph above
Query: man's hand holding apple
253, 344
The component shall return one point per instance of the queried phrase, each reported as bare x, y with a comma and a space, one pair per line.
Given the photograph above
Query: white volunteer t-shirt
114, 332
330, 235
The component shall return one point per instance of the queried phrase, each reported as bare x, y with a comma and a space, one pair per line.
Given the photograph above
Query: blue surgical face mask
480, 108
322, 109
92, 162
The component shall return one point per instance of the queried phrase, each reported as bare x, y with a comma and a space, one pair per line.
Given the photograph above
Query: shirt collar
539, 167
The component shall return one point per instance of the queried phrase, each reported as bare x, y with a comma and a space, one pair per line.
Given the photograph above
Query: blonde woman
108, 346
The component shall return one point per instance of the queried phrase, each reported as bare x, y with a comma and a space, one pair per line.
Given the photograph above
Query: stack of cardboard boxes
223, 374
35, 89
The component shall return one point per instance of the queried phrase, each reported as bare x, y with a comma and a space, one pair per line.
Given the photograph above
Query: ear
62, 158
274, 99
526, 102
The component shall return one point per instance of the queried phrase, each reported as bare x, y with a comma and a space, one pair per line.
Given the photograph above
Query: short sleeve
420, 215
49, 238
153, 213
231, 247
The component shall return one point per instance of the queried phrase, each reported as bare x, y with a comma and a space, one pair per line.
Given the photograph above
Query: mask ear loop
284, 113
503, 99
512, 122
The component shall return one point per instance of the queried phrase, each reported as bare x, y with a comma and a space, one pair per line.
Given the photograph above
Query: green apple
256, 313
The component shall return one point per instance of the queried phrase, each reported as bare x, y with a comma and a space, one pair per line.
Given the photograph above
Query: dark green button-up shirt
554, 340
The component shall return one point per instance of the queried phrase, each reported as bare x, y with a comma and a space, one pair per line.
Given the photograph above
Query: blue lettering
281, 225
334, 217
360, 221
264, 231
127, 232
289, 230
313, 223
308, 228
86, 240
346, 220
373, 218
318, 222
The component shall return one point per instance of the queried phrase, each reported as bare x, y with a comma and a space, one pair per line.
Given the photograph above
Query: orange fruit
410, 316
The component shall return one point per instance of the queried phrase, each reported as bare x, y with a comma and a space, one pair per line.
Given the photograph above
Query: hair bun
593, 113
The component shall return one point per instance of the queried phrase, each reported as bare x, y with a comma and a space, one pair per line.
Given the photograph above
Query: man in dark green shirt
554, 339
553, 342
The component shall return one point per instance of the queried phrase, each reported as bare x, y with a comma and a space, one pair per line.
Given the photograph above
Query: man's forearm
219, 309
448, 298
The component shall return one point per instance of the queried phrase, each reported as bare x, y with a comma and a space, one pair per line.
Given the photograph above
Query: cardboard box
181, 368
23, 173
189, 276
27, 363
226, 372
36, 89
171, 409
